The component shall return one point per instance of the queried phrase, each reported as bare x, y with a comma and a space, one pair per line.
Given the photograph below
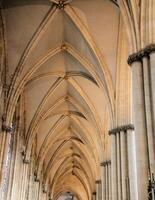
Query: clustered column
106, 180
123, 173
143, 92
94, 196
7, 151
98, 190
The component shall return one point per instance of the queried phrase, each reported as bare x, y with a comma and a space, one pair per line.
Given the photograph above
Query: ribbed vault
67, 91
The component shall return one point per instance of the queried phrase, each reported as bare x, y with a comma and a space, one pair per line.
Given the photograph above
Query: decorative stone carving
151, 188
26, 161
63, 47
137, 57
121, 128
98, 181
94, 193
5, 127
105, 163
35, 177
44, 189
61, 3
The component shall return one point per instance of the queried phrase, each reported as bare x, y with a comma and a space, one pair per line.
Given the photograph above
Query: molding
98, 182
105, 163
121, 128
137, 57
44, 189
7, 128
36, 179
26, 161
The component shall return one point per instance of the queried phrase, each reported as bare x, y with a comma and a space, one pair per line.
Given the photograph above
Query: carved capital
137, 57
5, 127
105, 163
150, 49
98, 181
44, 188
26, 161
121, 128
36, 179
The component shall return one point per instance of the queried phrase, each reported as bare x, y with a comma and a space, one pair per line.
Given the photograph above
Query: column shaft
109, 168
114, 167
107, 193
152, 79
99, 190
123, 164
132, 190
118, 167
94, 196
140, 129
149, 112
7, 155
103, 182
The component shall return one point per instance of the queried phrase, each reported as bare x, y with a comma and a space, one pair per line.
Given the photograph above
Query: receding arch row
39, 111
45, 147
64, 190
78, 176
70, 166
86, 140
67, 159
64, 164
60, 149
85, 155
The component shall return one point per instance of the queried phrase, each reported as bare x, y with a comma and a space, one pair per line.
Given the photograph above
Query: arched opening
67, 196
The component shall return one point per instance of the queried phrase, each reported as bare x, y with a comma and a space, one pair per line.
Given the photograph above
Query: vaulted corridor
77, 100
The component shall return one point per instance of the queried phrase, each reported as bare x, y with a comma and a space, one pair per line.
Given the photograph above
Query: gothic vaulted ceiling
61, 59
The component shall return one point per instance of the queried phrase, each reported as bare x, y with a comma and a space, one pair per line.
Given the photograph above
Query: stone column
123, 152
109, 169
142, 64
152, 79
7, 155
119, 188
114, 167
151, 51
37, 183
149, 111
106, 186
98, 190
132, 191
24, 189
103, 170
107, 182
94, 196
124, 156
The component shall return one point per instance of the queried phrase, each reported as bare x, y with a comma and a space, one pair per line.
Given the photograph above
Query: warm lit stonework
77, 99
